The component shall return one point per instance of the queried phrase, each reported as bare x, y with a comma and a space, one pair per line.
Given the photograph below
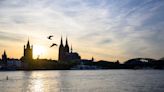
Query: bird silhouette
49, 37
53, 44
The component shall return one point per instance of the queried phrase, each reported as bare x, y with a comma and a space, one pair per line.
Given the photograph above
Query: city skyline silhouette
81, 45
108, 30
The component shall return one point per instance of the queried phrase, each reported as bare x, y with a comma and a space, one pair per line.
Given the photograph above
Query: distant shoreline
74, 69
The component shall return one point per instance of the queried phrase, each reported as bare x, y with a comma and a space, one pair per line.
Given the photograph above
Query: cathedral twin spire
63, 50
66, 42
66, 47
61, 42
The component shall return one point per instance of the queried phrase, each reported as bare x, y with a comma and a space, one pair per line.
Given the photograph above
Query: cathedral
28, 55
65, 54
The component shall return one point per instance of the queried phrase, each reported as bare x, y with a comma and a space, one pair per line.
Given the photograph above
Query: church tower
66, 47
61, 51
4, 58
28, 55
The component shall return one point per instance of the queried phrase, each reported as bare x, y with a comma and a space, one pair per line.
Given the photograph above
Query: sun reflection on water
42, 82
38, 86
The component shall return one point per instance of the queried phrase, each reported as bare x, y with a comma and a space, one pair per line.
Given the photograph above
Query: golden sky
105, 29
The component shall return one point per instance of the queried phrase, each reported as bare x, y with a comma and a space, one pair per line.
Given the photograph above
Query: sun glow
38, 51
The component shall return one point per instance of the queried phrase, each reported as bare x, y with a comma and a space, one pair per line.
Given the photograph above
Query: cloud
119, 29
10, 37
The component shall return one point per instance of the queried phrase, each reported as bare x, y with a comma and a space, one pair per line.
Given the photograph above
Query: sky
105, 29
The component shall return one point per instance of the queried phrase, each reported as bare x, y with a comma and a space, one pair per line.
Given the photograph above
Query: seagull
49, 37
54, 44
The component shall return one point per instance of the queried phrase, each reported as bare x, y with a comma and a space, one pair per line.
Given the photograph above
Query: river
82, 81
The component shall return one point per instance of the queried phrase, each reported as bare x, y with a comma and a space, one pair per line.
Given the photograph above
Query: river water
82, 81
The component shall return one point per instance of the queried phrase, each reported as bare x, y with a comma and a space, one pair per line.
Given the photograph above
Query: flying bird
54, 44
49, 37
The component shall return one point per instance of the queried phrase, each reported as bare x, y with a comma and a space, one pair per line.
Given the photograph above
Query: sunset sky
105, 29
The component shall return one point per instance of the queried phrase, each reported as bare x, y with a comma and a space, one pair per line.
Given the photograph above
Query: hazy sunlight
39, 51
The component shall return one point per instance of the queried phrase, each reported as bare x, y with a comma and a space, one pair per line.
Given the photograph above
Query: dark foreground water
83, 81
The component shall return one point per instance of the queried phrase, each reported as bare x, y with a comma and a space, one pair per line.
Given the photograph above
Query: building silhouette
4, 58
65, 54
28, 53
